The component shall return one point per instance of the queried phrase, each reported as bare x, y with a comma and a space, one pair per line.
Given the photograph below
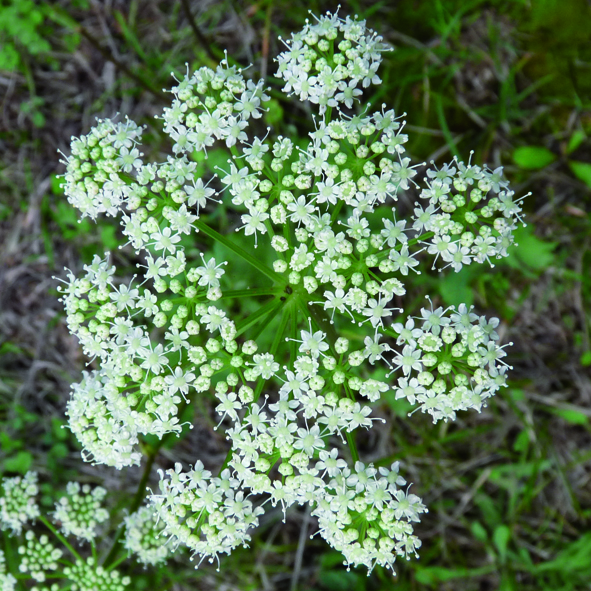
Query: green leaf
341, 580
59, 450
530, 250
488, 508
274, 112
108, 237
479, 531
8, 445
400, 407
572, 416
58, 430
516, 394
455, 287
501, 537
19, 463
582, 170
521, 442
432, 575
586, 359
533, 157
576, 139
56, 187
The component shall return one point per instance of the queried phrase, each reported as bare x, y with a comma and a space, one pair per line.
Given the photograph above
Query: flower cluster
80, 511
17, 504
77, 513
141, 383
343, 254
143, 537
450, 361
208, 514
472, 214
38, 556
86, 575
325, 62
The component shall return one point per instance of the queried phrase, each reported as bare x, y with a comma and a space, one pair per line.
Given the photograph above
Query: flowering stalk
342, 252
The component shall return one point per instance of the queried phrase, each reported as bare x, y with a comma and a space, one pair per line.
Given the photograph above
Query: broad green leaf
516, 394
574, 558
521, 442
479, 531
108, 237
274, 112
533, 157
19, 463
8, 445
400, 407
58, 430
488, 509
455, 287
582, 170
56, 183
501, 537
530, 250
59, 450
586, 359
572, 416
432, 575
341, 580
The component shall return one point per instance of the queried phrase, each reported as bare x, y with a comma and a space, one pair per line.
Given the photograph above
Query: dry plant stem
65, 20
110, 57
297, 569
197, 31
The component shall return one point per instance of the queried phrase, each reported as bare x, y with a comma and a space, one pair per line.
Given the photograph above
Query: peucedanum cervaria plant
343, 253
64, 554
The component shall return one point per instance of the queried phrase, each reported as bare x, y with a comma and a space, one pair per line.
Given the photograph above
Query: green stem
352, 446
12, 568
243, 254
137, 501
241, 293
269, 307
293, 336
117, 562
321, 319
59, 536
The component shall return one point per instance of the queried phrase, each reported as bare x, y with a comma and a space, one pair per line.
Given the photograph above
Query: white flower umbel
328, 60
80, 512
38, 555
143, 537
451, 361
343, 256
17, 503
88, 576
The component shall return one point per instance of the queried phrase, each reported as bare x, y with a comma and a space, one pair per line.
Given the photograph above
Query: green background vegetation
509, 490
